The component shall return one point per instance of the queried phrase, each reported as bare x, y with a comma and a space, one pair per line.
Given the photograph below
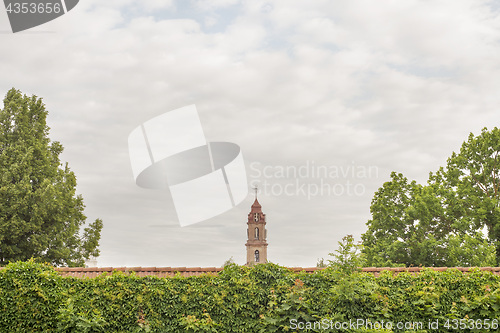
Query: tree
321, 263
348, 257
471, 185
390, 228
440, 224
407, 226
228, 262
40, 214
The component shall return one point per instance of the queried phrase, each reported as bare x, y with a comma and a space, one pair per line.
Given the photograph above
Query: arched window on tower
256, 233
257, 256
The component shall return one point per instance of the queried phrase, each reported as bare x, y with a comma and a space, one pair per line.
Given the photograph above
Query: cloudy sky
358, 88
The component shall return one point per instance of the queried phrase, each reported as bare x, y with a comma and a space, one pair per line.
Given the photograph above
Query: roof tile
90, 272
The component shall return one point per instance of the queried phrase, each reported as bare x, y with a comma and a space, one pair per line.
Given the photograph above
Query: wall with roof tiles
195, 271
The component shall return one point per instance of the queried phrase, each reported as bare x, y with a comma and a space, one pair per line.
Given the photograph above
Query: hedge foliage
263, 298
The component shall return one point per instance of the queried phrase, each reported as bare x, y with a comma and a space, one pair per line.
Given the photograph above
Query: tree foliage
440, 224
470, 185
347, 258
40, 214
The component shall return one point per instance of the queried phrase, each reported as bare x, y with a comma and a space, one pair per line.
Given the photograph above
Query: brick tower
257, 235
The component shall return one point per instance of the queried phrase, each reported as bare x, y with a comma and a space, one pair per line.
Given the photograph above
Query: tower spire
257, 234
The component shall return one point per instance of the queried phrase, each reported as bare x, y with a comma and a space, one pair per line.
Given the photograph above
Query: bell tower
256, 235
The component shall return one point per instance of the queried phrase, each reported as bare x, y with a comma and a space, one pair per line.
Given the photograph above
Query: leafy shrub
262, 298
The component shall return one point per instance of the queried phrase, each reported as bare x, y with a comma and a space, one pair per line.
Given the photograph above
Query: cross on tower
256, 189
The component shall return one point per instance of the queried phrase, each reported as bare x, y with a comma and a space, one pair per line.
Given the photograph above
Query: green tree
440, 224
408, 226
347, 258
470, 185
40, 214
228, 262
389, 230
321, 263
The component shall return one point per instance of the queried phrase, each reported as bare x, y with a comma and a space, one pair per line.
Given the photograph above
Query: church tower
257, 235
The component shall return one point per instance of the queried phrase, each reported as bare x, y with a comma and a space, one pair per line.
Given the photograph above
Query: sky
324, 98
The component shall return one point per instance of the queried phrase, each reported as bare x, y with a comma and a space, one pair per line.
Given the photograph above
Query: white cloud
150, 5
214, 4
389, 83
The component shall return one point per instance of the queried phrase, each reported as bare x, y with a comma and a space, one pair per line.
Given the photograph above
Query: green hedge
263, 298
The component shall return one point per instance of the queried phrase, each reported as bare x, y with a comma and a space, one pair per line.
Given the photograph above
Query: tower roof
256, 204
256, 208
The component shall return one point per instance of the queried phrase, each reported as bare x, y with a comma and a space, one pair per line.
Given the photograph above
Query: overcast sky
359, 88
